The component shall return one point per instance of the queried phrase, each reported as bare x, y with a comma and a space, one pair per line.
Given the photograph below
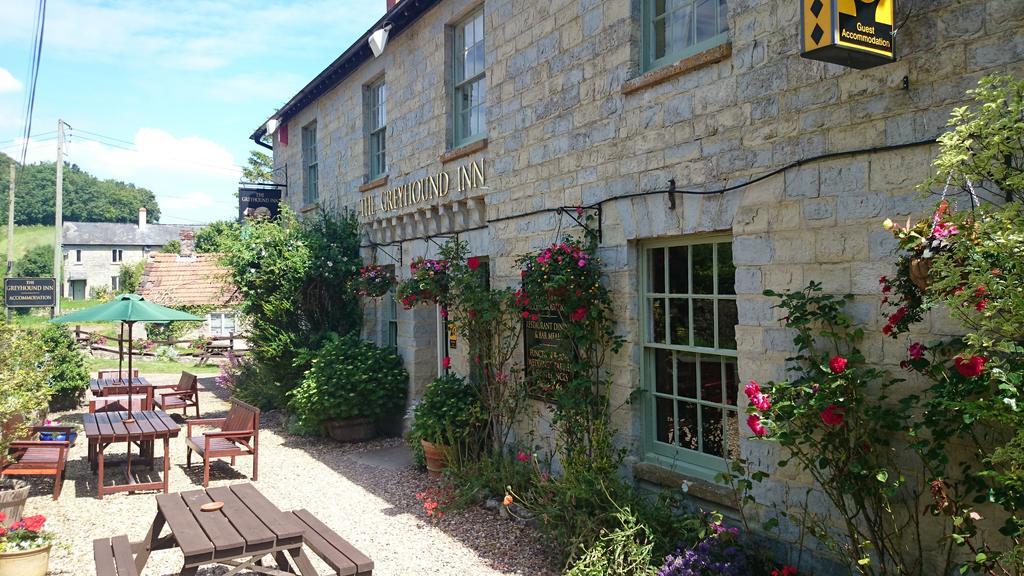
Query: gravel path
374, 508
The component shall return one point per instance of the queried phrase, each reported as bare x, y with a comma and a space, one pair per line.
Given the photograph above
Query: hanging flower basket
918, 269
428, 283
373, 281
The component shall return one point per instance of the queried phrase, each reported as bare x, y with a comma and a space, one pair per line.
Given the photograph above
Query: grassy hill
25, 237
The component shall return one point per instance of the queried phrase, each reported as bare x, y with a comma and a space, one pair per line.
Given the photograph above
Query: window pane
711, 430
679, 28
679, 321
663, 371
660, 41
656, 263
687, 425
727, 320
703, 268
665, 419
723, 20
704, 323
707, 19
659, 7
726, 269
686, 375
711, 379
678, 270
732, 381
656, 331
732, 435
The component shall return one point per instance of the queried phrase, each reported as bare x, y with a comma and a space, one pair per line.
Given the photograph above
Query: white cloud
8, 83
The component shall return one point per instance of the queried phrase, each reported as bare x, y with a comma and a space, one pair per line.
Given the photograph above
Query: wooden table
240, 534
105, 428
99, 386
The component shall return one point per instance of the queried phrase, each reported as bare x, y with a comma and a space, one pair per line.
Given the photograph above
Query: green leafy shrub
67, 376
254, 384
349, 378
130, 275
36, 263
450, 411
172, 247
24, 391
623, 551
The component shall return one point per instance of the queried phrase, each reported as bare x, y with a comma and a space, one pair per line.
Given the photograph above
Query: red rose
971, 367
473, 263
754, 423
578, 314
833, 415
837, 364
447, 362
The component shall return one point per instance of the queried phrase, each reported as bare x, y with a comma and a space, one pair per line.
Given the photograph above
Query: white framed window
376, 127
116, 255
309, 163
469, 108
675, 29
115, 283
688, 296
221, 323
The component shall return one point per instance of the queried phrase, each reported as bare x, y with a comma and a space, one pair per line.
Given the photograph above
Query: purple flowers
718, 555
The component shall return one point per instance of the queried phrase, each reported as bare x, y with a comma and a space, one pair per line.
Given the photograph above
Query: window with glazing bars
675, 29
376, 122
689, 355
470, 105
309, 164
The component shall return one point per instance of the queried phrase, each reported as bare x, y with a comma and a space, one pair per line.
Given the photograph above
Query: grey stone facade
571, 119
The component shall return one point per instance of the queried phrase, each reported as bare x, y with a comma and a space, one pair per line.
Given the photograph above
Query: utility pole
58, 220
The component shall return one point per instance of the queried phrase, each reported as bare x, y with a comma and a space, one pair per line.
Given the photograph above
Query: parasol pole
130, 420
120, 352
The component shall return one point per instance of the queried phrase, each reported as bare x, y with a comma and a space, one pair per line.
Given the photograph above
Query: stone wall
96, 266
571, 120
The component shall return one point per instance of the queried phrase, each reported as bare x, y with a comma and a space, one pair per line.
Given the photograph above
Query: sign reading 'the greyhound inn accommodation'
30, 292
854, 33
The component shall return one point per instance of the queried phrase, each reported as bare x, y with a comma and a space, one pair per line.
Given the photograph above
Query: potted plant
428, 283
449, 413
24, 547
70, 436
350, 386
373, 281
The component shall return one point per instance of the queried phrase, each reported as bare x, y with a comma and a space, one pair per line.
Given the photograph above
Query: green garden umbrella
126, 309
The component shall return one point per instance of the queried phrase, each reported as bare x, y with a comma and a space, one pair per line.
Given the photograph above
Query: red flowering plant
835, 421
25, 534
373, 280
428, 283
436, 500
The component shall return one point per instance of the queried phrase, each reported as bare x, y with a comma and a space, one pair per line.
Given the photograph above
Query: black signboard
259, 200
546, 354
30, 292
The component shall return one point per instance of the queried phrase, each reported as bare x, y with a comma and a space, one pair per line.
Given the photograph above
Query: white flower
685, 487
1011, 402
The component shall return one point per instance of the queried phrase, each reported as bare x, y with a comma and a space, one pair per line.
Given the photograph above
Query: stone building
483, 117
95, 251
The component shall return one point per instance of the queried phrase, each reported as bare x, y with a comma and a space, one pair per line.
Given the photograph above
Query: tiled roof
196, 280
114, 234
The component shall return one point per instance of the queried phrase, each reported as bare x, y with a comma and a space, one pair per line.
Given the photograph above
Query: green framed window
691, 421
389, 317
469, 108
309, 164
376, 126
675, 29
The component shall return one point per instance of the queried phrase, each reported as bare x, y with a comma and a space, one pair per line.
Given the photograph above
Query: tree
129, 276
172, 247
216, 236
260, 167
36, 263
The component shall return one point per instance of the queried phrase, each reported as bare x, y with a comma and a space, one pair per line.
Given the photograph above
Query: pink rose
754, 422
447, 362
916, 351
522, 456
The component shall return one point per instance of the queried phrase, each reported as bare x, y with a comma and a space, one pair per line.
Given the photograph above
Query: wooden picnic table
105, 428
247, 528
100, 386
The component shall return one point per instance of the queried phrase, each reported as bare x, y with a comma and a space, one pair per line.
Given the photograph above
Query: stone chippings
373, 508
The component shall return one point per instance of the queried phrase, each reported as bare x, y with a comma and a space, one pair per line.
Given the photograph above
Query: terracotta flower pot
351, 429
436, 456
919, 268
33, 562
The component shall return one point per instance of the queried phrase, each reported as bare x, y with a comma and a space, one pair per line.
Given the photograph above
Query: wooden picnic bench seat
40, 457
113, 557
239, 435
341, 556
184, 394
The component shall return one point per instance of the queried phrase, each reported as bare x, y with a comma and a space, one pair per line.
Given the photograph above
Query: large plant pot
13, 494
919, 268
33, 562
352, 429
436, 456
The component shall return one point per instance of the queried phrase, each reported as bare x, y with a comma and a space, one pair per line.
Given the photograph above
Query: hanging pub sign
853, 33
546, 355
259, 200
30, 292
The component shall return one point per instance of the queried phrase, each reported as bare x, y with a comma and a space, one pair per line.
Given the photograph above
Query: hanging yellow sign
854, 33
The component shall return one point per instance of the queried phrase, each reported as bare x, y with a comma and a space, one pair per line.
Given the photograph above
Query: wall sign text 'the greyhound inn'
854, 33
437, 185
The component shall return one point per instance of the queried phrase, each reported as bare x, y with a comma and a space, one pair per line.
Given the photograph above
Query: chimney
142, 218
188, 242
391, 4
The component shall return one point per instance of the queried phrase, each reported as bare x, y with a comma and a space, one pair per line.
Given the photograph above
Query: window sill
463, 151
688, 64
697, 488
309, 207
376, 183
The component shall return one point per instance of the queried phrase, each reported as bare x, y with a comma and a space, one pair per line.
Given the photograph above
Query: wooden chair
104, 374
184, 394
239, 435
40, 457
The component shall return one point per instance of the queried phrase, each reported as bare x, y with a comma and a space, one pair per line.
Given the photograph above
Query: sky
164, 93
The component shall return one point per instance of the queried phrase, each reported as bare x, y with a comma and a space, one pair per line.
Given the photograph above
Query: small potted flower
428, 283
448, 414
373, 281
24, 547
69, 435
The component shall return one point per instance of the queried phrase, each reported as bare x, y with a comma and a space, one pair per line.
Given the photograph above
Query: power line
18, 140
37, 54
222, 167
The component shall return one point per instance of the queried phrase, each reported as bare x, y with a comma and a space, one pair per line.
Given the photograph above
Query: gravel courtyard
373, 507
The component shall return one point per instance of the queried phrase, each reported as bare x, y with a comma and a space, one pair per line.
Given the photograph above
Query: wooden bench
113, 557
341, 556
39, 457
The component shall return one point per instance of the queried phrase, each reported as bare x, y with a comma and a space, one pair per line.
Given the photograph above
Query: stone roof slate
119, 234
